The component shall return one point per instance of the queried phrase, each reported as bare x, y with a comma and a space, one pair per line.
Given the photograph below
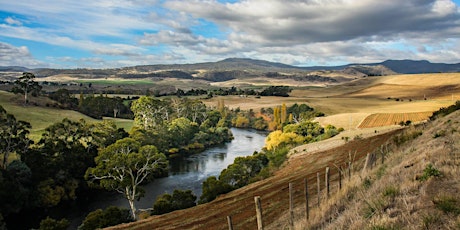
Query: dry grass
387, 119
393, 195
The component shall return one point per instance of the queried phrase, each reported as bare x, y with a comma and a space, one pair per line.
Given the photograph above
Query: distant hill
13, 69
401, 66
246, 65
409, 66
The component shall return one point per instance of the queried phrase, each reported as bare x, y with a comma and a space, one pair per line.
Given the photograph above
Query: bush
212, 187
390, 192
52, 224
428, 172
180, 199
104, 218
277, 157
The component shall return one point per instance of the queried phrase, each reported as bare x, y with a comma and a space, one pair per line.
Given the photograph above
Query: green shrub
390, 192
104, 218
428, 172
52, 224
367, 182
178, 200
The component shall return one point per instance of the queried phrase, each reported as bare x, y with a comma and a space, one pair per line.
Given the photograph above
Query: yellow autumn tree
283, 114
278, 138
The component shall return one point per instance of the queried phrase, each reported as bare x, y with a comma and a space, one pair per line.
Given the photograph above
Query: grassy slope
273, 191
40, 117
395, 197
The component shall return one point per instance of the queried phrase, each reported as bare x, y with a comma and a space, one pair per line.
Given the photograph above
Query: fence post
383, 154
366, 162
318, 186
230, 224
349, 171
260, 225
307, 208
291, 205
326, 181
340, 178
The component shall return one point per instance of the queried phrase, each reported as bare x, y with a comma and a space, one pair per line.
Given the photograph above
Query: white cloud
13, 21
300, 32
17, 56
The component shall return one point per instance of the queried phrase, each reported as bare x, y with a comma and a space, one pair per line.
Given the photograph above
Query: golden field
349, 104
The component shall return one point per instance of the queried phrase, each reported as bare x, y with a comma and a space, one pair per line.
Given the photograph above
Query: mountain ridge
399, 66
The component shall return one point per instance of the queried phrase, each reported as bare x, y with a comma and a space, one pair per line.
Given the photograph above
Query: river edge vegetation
54, 170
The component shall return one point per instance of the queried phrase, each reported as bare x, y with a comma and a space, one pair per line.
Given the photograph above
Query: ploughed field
387, 119
274, 192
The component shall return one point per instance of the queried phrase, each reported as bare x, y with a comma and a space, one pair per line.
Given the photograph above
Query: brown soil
273, 191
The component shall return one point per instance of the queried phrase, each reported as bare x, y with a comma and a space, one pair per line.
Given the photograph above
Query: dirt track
239, 204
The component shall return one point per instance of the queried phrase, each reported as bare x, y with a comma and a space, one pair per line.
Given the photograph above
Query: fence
342, 171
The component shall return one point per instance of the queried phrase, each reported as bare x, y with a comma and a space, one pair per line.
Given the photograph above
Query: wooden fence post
307, 208
340, 178
349, 171
318, 181
230, 224
366, 163
260, 225
291, 205
326, 181
383, 154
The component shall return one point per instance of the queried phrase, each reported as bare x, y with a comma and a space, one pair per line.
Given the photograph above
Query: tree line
73, 158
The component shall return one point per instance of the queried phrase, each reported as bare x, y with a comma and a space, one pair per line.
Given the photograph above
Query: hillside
416, 187
238, 68
273, 191
389, 196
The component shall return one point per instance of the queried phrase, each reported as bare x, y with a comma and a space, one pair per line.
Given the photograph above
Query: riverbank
239, 204
185, 173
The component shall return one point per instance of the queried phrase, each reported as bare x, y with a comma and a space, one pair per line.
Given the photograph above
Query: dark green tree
212, 187
26, 85
52, 224
124, 166
15, 188
13, 136
60, 159
180, 199
104, 218
243, 169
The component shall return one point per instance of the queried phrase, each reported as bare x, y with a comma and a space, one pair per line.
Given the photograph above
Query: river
188, 172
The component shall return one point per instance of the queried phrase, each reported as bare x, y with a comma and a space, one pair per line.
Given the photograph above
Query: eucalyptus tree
150, 112
124, 166
26, 85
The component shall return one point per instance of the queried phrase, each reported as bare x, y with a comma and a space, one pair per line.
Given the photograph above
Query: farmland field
387, 119
40, 117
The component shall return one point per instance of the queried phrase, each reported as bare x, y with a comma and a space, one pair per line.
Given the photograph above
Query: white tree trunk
130, 196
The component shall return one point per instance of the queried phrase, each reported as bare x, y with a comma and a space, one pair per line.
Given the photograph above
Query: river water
188, 173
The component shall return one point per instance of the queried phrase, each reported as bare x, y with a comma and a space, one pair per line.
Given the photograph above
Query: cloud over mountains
308, 32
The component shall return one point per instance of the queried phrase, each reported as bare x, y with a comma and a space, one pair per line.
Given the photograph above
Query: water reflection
189, 172
185, 173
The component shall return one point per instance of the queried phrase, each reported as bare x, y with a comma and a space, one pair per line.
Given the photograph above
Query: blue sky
110, 33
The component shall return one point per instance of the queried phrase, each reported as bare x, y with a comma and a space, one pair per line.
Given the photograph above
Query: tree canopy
26, 85
124, 166
13, 136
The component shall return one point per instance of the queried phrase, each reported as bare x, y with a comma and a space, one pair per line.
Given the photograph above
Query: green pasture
41, 117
